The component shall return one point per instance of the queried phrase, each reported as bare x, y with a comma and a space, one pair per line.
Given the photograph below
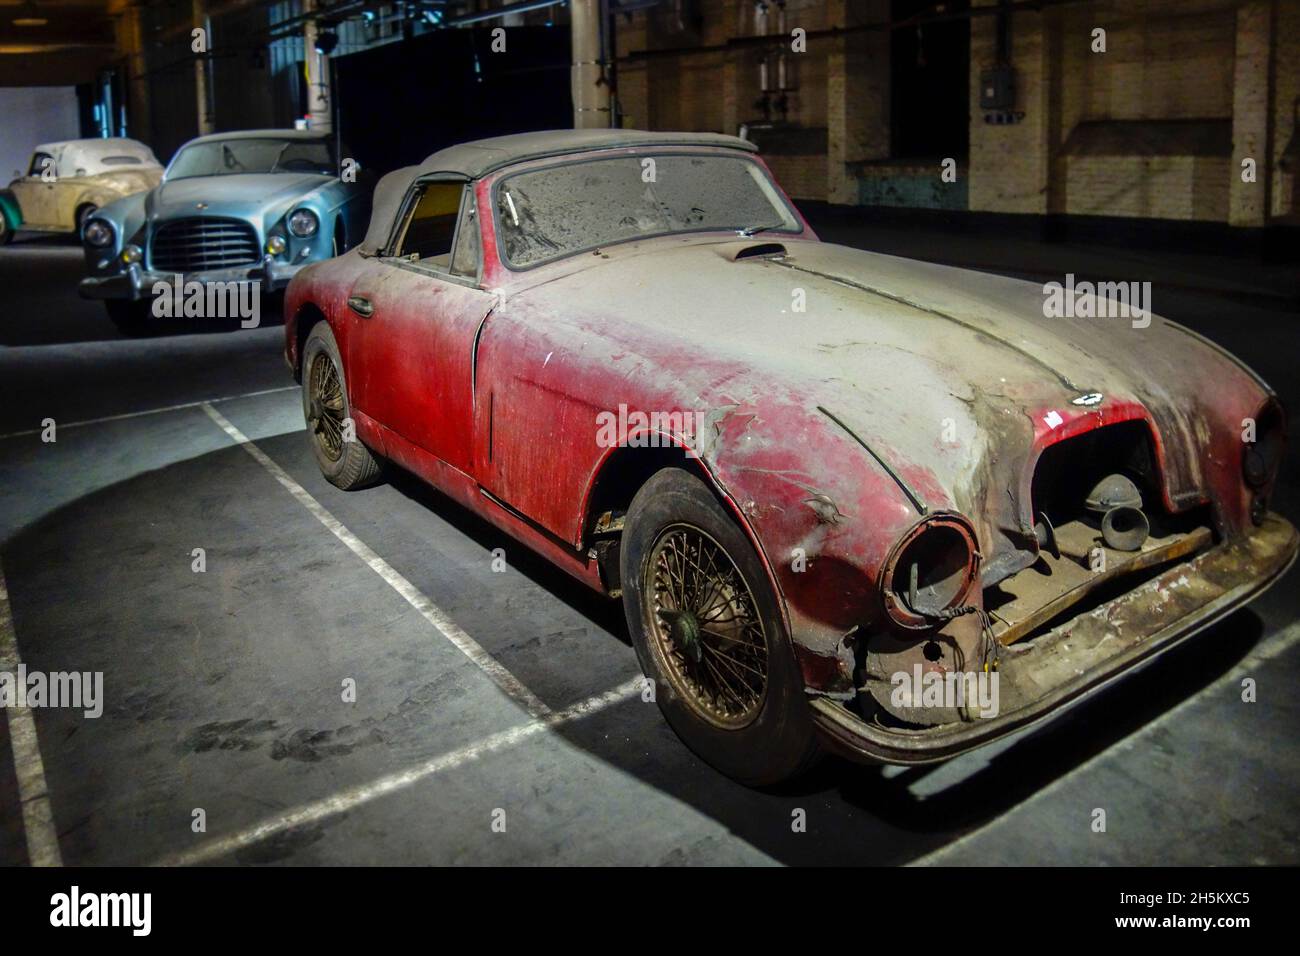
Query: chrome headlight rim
955, 538
98, 228
303, 223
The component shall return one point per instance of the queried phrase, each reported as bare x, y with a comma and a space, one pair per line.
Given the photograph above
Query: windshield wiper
748, 231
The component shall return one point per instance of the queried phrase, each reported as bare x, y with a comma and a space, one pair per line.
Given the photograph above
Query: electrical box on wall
998, 88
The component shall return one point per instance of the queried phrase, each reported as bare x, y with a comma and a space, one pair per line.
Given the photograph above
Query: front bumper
137, 284
1046, 676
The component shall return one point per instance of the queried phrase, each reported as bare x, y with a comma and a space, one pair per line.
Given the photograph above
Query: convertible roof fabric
480, 157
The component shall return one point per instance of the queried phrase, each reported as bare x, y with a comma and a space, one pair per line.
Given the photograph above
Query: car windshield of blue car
574, 207
226, 157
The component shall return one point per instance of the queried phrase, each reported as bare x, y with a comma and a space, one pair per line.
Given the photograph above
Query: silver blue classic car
232, 207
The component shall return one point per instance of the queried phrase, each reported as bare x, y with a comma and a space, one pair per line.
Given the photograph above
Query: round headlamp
97, 233
929, 571
275, 245
303, 223
132, 254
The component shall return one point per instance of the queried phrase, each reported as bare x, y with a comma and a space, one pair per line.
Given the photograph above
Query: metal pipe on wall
319, 115
203, 71
587, 74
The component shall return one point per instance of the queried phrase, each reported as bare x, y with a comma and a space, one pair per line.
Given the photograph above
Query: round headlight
98, 233
275, 245
303, 223
132, 254
929, 571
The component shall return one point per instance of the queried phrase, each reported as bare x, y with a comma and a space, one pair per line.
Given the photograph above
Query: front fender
824, 515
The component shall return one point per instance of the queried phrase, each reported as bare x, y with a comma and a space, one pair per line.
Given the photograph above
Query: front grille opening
203, 243
1068, 470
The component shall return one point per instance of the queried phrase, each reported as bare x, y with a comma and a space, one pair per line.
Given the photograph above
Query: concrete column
203, 72
590, 92
135, 84
857, 94
1248, 203
319, 115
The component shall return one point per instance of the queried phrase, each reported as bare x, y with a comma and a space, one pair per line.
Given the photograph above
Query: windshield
557, 211
224, 157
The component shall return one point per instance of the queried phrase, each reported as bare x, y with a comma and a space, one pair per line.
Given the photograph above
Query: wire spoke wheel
705, 625
326, 413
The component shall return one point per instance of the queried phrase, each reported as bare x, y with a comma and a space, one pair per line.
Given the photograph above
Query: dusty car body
67, 182
232, 207
917, 472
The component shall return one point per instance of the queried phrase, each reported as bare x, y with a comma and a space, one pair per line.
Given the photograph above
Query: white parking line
353, 797
430, 611
1285, 640
33, 794
154, 411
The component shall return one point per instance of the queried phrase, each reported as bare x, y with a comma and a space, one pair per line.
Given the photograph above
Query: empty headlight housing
929, 571
97, 233
303, 223
1260, 458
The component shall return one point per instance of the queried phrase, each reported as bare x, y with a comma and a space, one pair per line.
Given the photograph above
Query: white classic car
66, 182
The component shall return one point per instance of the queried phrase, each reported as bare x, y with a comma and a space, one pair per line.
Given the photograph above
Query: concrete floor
224, 688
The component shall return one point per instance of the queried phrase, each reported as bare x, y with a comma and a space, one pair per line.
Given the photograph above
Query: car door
35, 191
413, 317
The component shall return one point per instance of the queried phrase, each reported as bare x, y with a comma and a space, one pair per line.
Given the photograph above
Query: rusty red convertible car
811, 473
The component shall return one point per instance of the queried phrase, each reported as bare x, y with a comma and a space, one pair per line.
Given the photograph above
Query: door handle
361, 306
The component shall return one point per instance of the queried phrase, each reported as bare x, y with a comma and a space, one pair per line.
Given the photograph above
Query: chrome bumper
136, 283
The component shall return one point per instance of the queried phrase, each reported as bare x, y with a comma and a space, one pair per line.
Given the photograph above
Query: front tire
708, 631
325, 404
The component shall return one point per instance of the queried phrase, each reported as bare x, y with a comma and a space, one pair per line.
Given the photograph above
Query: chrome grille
200, 244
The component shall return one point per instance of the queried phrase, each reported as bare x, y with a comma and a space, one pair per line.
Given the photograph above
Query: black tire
778, 740
131, 318
347, 464
6, 230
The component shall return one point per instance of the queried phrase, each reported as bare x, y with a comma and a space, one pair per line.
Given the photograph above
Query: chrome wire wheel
705, 627
326, 412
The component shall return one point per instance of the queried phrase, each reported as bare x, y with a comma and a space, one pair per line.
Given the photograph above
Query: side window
464, 260
431, 224
39, 162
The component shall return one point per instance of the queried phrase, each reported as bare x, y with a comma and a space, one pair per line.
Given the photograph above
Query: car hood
238, 195
954, 378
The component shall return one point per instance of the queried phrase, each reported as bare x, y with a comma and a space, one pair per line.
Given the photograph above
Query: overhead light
30, 16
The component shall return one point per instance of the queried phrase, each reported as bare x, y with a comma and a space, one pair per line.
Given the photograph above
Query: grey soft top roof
304, 134
480, 157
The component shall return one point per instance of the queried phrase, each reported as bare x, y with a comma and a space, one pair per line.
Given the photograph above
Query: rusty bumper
1043, 678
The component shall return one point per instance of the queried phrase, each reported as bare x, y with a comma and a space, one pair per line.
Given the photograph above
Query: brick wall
1206, 61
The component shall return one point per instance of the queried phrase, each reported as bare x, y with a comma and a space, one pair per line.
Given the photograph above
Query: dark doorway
930, 81
400, 102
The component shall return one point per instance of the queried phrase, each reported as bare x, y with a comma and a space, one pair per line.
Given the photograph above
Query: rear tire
704, 635
327, 408
6, 230
131, 318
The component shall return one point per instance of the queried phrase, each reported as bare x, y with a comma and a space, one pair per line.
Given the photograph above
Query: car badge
1087, 398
